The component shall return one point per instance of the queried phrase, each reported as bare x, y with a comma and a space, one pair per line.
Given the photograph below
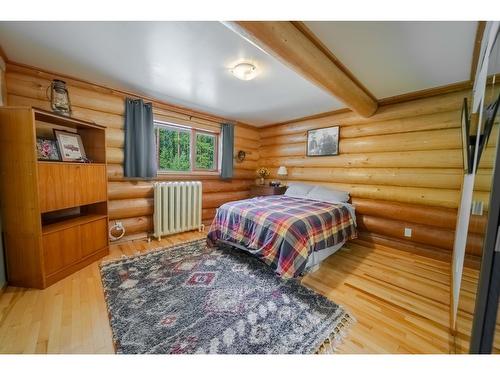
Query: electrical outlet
407, 232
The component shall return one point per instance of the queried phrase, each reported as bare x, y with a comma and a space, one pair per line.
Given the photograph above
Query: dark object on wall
323, 142
140, 146
490, 114
227, 131
466, 146
46, 149
59, 98
241, 156
70, 145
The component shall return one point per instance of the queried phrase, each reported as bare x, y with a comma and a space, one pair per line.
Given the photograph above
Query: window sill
171, 176
192, 173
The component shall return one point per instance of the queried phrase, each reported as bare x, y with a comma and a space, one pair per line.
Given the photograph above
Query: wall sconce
240, 156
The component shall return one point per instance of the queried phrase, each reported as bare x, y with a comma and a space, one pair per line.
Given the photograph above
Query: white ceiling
187, 63
184, 63
393, 58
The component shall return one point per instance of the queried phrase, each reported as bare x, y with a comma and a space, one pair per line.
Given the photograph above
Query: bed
290, 233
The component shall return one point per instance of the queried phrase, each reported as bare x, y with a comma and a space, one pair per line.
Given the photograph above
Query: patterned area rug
193, 299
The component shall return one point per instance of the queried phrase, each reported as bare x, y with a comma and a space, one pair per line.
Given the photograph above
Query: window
183, 149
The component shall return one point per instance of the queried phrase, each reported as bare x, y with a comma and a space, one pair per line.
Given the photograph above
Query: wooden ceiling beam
288, 43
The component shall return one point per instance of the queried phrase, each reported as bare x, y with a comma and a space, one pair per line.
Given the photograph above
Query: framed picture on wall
70, 146
323, 142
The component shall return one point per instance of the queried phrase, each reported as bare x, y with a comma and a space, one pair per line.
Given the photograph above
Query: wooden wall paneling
135, 207
434, 236
27, 86
442, 139
414, 195
110, 120
214, 200
139, 224
130, 189
115, 152
175, 110
443, 120
144, 189
398, 159
374, 240
450, 178
115, 137
115, 173
420, 107
208, 213
434, 216
127, 208
402, 166
33, 87
426, 234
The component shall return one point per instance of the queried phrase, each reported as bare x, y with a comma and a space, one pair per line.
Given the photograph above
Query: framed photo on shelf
70, 146
46, 149
323, 142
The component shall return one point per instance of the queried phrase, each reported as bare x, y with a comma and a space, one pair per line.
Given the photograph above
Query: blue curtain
140, 145
227, 132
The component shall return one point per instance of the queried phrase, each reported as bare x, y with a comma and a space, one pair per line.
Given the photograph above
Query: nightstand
260, 190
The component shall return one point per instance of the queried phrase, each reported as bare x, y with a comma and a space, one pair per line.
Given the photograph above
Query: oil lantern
59, 97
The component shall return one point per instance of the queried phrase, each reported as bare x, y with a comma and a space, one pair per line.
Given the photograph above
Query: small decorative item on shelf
275, 183
59, 97
46, 149
262, 172
71, 146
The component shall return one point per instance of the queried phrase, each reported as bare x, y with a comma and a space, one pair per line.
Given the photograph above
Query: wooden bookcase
54, 214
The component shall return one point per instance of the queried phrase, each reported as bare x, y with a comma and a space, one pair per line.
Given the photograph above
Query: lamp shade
282, 171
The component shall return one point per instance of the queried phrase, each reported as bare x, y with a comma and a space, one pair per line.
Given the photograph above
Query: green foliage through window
205, 151
174, 149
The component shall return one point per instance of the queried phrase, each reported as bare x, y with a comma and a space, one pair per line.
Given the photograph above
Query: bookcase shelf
70, 222
54, 213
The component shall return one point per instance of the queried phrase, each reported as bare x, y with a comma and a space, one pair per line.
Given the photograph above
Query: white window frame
192, 155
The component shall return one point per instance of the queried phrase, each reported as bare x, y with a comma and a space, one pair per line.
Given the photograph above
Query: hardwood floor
400, 300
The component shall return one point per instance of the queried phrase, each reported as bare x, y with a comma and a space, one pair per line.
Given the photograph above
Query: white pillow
298, 190
320, 193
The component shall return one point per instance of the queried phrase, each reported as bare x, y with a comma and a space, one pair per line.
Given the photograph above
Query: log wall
402, 166
131, 201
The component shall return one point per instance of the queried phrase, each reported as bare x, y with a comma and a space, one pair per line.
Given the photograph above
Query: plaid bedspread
282, 231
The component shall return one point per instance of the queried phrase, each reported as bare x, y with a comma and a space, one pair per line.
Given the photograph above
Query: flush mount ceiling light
245, 71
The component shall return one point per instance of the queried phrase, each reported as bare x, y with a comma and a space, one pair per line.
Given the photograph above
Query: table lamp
282, 172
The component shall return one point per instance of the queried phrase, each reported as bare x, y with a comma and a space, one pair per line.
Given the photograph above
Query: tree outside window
181, 149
